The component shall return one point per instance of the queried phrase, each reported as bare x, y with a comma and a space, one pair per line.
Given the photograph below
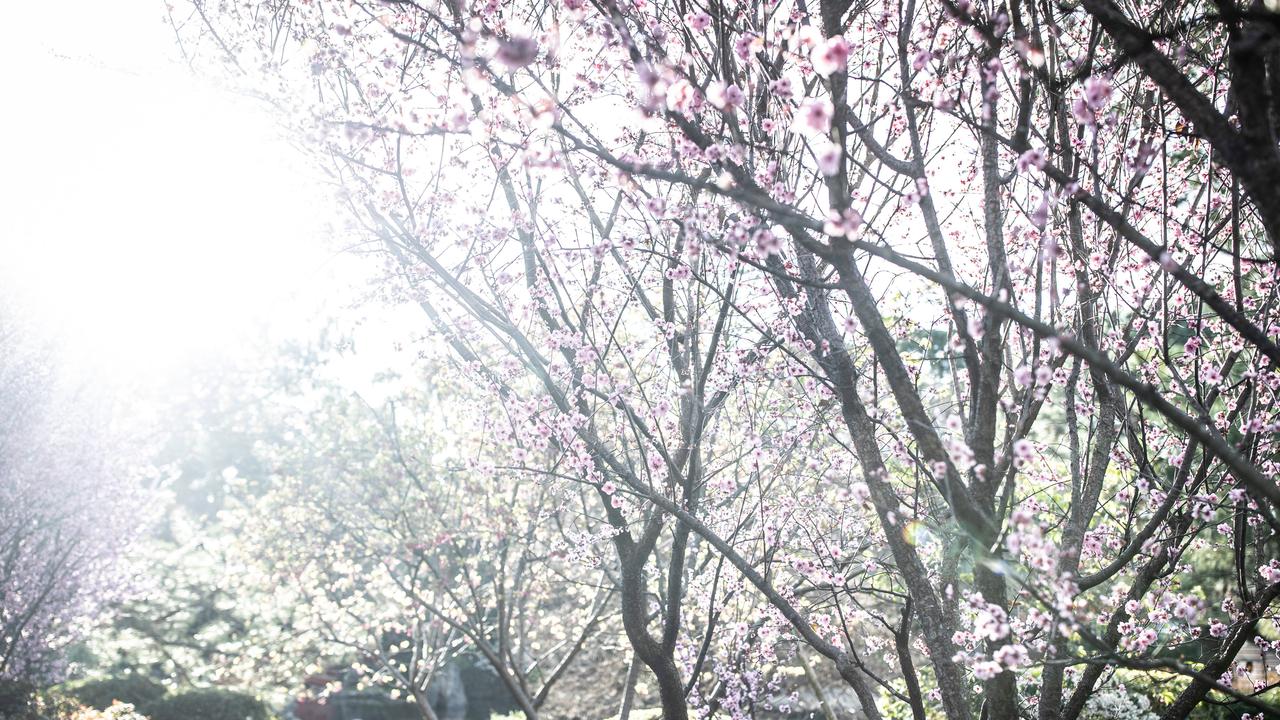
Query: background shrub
17, 699
24, 701
119, 711
134, 690
207, 705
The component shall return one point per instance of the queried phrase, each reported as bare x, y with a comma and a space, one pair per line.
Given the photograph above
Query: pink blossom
1022, 376
961, 455
1033, 158
1044, 375
767, 243
679, 272
1186, 609
725, 97
987, 669
1082, 113
830, 56
1040, 216
656, 462
683, 97
815, 116
1270, 572
829, 159
697, 21
1097, 92
913, 196
516, 52
859, 492
781, 88
842, 224
1012, 656
746, 44
733, 96
974, 324
1147, 637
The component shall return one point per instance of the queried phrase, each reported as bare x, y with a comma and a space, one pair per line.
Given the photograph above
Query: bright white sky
147, 217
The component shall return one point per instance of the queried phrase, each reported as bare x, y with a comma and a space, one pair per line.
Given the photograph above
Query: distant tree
404, 550
67, 508
692, 249
375, 537
188, 623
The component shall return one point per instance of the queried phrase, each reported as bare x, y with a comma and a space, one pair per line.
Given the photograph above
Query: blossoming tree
933, 337
400, 554
62, 525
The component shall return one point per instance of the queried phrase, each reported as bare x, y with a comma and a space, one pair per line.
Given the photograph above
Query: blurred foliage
100, 694
211, 704
24, 701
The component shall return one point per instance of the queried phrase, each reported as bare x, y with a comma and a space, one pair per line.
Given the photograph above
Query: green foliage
135, 690
207, 705
929, 346
195, 623
1224, 708
24, 701
17, 699
118, 711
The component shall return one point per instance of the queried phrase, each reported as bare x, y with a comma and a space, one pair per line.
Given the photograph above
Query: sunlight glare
149, 218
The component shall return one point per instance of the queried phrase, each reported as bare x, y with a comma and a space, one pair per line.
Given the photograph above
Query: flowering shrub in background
68, 507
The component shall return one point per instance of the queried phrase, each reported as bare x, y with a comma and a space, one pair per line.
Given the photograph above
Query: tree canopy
929, 346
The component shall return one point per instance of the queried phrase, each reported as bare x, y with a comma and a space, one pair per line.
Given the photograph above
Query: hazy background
149, 218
